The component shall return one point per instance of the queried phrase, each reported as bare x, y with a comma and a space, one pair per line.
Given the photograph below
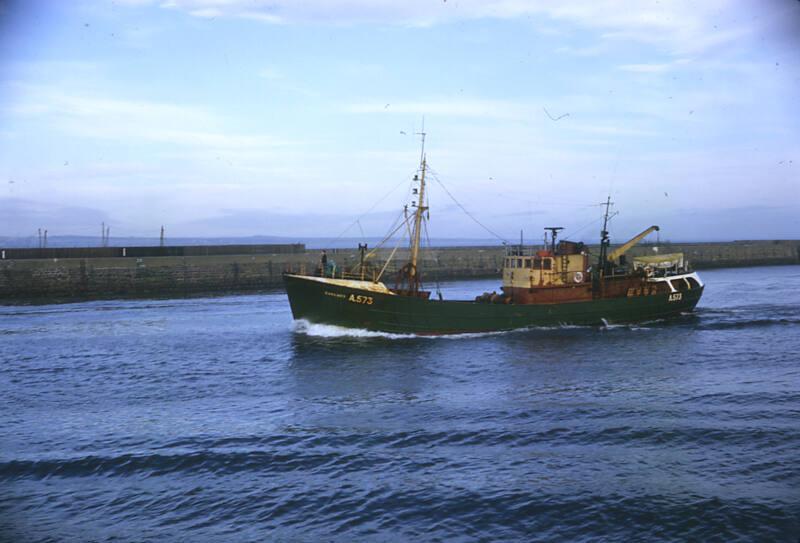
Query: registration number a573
360, 299
676, 297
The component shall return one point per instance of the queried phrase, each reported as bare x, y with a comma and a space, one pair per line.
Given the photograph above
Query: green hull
323, 303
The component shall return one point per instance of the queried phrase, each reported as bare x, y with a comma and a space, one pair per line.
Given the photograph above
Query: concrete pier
55, 278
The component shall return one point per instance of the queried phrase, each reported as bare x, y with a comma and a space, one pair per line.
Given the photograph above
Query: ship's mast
413, 278
604, 240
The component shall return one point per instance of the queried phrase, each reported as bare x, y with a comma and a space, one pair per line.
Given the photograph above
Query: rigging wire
368, 211
391, 255
397, 220
392, 229
470, 215
387, 238
571, 204
581, 229
408, 224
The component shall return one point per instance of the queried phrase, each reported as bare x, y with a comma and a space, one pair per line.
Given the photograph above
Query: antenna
423, 134
553, 235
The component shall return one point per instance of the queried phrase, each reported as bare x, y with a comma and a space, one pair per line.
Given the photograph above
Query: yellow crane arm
619, 251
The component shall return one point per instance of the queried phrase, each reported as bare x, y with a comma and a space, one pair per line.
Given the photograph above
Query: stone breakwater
53, 278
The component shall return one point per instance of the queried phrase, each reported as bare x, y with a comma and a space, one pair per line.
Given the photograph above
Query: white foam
629, 325
331, 331
305, 327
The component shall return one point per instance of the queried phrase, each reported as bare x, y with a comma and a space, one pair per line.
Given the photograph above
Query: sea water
218, 419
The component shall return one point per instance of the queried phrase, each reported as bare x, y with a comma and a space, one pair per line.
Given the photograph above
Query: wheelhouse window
547, 264
528, 263
679, 285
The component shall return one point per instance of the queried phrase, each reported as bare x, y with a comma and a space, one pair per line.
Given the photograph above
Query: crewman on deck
323, 268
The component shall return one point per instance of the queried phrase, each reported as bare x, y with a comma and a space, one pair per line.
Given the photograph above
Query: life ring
578, 277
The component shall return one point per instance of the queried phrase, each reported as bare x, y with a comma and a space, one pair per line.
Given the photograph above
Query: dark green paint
405, 315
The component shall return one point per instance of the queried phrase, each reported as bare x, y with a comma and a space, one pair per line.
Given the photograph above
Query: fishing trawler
558, 284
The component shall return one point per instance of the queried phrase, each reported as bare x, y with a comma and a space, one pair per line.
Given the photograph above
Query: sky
299, 117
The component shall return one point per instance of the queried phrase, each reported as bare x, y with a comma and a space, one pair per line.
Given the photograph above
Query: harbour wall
27, 278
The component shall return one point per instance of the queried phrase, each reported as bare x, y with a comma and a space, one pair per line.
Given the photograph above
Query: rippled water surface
216, 419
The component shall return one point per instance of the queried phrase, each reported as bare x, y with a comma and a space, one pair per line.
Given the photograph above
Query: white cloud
135, 121
614, 130
654, 68
271, 74
679, 25
645, 68
280, 81
206, 13
591, 51
479, 108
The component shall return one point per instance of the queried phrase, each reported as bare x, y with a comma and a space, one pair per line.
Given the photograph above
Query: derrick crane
618, 252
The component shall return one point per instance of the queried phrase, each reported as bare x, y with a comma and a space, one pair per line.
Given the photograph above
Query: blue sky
243, 117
